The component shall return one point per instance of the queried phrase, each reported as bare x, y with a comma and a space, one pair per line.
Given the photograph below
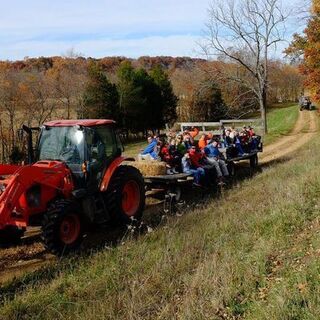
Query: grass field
253, 253
280, 122
134, 148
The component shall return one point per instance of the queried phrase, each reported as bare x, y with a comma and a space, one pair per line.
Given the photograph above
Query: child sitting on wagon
197, 173
150, 152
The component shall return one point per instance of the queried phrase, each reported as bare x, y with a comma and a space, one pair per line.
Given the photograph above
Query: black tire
116, 193
11, 236
254, 161
55, 228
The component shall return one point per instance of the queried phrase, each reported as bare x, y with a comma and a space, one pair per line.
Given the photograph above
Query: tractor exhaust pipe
29, 130
30, 146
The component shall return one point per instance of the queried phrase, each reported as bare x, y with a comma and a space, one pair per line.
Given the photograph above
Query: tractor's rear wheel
62, 227
126, 195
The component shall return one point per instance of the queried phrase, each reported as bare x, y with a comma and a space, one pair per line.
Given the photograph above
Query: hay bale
150, 167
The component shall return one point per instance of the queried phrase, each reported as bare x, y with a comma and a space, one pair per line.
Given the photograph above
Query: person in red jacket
198, 160
195, 157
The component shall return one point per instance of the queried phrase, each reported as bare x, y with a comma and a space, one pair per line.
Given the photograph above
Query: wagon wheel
254, 161
231, 168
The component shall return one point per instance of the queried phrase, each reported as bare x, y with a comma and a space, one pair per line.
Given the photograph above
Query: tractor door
102, 148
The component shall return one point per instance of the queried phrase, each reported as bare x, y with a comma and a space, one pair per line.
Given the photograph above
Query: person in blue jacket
150, 152
215, 158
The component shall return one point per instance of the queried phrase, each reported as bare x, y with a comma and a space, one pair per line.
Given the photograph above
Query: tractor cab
87, 147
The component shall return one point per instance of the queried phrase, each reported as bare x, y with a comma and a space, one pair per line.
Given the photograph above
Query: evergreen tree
169, 99
208, 103
101, 99
131, 101
152, 107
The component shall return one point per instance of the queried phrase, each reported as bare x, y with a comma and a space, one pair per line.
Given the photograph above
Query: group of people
240, 143
202, 159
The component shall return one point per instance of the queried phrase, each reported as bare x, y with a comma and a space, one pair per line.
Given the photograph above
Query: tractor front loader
77, 180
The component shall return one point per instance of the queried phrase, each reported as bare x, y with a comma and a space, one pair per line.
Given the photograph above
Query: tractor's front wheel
126, 195
62, 227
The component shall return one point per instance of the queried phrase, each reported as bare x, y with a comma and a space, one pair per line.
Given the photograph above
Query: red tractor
75, 179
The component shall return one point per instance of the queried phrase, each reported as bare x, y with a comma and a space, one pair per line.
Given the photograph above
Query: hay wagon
252, 157
215, 129
170, 187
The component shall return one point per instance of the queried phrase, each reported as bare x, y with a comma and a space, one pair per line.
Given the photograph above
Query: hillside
252, 253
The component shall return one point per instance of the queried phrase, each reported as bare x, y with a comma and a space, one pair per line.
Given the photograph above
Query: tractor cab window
62, 143
101, 144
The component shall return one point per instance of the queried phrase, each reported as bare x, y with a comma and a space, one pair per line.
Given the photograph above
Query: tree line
141, 95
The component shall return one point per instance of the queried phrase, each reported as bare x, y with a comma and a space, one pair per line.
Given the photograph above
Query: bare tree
39, 105
244, 32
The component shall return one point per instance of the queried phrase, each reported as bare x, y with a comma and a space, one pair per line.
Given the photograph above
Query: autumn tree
69, 76
307, 47
286, 82
11, 97
39, 104
244, 33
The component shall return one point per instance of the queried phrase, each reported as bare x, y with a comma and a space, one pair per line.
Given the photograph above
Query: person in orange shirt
202, 143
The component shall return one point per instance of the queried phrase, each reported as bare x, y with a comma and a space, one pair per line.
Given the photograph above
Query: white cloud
102, 27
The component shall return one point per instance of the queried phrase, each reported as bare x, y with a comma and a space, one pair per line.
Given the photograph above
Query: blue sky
103, 27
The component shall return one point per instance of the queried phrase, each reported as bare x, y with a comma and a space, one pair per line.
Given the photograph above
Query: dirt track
305, 128
31, 255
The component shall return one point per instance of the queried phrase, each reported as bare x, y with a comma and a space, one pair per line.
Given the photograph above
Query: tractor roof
84, 123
